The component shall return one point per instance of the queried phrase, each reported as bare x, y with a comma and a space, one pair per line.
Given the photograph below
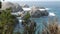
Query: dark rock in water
38, 14
44, 13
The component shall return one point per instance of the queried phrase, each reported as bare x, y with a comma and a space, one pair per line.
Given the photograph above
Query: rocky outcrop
14, 6
36, 13
44, 13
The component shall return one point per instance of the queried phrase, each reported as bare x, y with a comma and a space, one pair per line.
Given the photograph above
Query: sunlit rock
15, 7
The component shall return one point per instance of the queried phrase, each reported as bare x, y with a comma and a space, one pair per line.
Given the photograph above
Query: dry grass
52, 28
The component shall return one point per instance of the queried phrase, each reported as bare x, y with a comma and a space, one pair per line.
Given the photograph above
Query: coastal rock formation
36, 13
39, 13
15, 7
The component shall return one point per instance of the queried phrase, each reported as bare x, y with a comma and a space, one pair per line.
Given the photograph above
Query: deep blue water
53, 6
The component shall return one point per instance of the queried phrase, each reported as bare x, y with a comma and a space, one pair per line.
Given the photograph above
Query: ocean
53, 7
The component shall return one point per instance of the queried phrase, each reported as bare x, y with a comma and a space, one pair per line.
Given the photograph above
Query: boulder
36, 14
44, 13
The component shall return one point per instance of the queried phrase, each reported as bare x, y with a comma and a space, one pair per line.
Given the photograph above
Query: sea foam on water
51, 14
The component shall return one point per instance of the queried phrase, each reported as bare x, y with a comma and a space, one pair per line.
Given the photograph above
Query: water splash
51, 14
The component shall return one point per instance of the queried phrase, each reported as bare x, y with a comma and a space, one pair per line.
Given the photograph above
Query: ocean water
54, 7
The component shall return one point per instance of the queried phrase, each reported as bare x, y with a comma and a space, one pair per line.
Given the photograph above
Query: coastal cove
32, 17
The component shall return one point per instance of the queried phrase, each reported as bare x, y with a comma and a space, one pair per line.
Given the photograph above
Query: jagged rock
36, 13
44, 13
15, 7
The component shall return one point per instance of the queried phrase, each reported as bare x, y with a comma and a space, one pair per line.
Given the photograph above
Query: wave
20, 20
47, 8
51, 14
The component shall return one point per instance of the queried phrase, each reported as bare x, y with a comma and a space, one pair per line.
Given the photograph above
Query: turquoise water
53, 6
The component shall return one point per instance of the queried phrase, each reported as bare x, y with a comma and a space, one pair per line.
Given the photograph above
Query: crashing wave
51, 14
47, 8
20, 20
44, 9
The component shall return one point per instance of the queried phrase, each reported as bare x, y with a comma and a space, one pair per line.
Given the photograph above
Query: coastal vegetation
52, 27
29, 25
27, 16
7, 22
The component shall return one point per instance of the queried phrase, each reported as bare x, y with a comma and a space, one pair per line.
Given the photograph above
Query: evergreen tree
7, 22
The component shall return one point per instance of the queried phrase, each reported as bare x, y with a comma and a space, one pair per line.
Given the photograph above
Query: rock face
36, 13
15, 7
44, 13
39, 13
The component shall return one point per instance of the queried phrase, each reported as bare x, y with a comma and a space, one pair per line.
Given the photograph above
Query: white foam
51, 14
20, 20
26, 9
44, 9
47, 8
